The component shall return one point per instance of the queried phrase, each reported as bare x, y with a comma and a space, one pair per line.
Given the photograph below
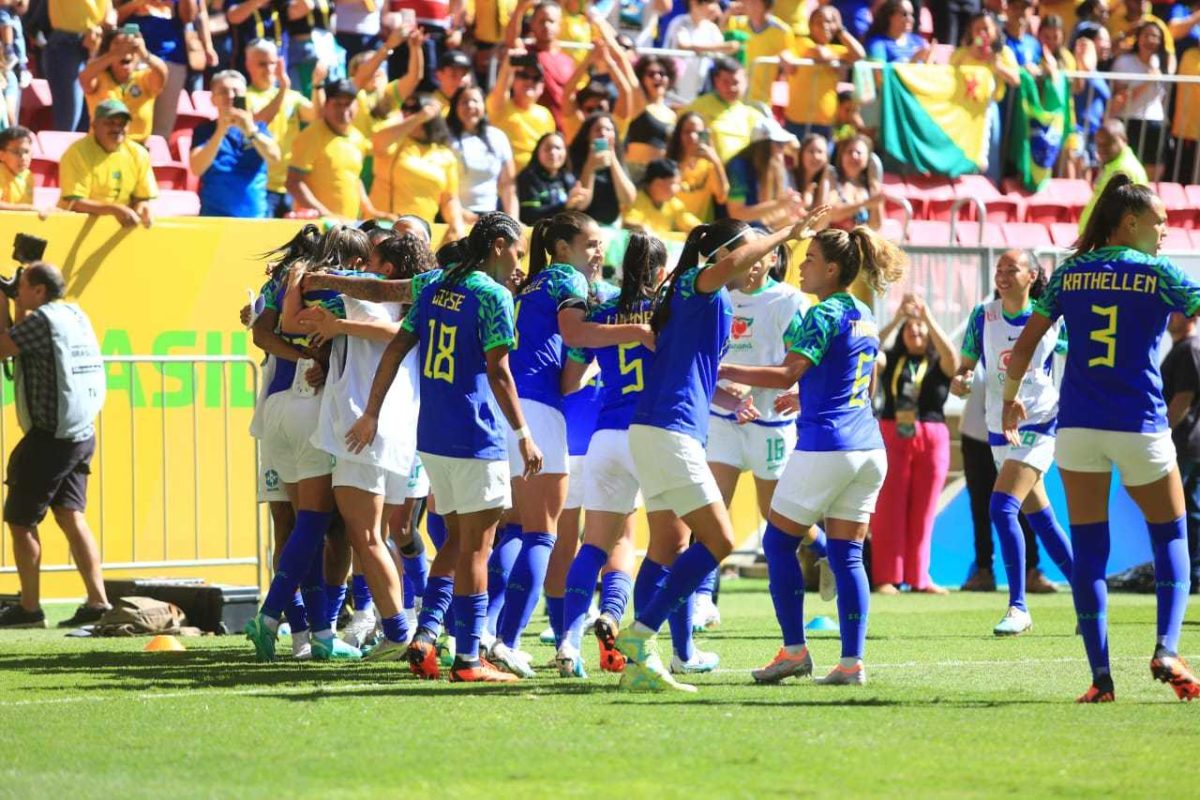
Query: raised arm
369, 289
739, 262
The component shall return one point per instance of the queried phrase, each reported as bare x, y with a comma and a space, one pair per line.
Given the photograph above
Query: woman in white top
489, 176
697, 31
1142, 104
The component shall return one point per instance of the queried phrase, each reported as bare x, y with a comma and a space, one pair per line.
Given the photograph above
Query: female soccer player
608, 481
549, 310
839, 464
692, 319
992, 328
290, 416
463, 324
1115, 294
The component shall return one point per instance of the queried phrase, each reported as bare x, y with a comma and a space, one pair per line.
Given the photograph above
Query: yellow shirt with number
77, 16
812, 90
491, 18
966, 57
331, 164
423, 177
729, 124
773, 39
283, 129
1187, 102
138, 96
16, 188
88, 172
671, 217
523, 128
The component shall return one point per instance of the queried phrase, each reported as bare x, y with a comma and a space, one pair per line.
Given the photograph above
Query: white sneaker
700, 662
547, 636
301, 648
705, 617
1015, 623
507, 659
828, 583
569, 663
361, 630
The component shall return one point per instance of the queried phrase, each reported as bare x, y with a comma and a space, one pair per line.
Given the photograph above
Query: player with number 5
839, 464
1115, 294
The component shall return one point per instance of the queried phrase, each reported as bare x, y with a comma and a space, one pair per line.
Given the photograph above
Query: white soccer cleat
361, 630
700, 663
509, 660
1015, 623
546, 636
705, 616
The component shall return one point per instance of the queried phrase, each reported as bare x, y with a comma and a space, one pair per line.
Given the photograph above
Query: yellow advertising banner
174, 477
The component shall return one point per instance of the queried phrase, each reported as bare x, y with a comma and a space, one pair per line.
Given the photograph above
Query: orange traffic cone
164, 644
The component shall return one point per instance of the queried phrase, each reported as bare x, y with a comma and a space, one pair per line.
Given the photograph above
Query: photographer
59, 389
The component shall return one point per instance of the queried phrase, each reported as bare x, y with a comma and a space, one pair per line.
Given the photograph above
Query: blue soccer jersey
537, 356
681, 382
581, 409
840, 337
622, 367
456, 326
1115, 302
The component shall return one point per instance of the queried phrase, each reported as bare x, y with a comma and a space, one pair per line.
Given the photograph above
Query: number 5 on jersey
859, 393
628, 366
439, 365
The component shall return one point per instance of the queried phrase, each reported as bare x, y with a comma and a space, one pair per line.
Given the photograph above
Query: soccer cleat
478, 671
569, 663
387, 650
1101, 691
1174, 671
845, 676
784, 665
360, 632
706, 616
700, 662
606, 630
333, 649
547, 636
1015, 623
637, 646
446, 651
827, 583
263, 637
651, 677
510, 660
422, 656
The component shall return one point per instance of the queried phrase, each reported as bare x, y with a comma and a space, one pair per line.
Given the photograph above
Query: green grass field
949, 712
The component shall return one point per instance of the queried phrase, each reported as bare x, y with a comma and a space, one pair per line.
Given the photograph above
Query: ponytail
475, 248
562, 227
644, 257
862, 251
1121, 196
703, 242
303, 245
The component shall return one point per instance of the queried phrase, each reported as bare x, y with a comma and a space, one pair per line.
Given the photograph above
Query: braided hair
490, 227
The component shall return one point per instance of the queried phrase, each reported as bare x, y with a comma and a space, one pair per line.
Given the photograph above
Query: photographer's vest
79, 373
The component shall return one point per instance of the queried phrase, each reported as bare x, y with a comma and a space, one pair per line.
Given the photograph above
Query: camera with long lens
26, 250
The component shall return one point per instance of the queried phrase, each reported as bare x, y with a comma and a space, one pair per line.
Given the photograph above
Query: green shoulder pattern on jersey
412, 320
1063, 344
495, 310
822, 322
270, 294
421, 280
1047, 304
1175, 290
686, 285
792, 334
563, 282
971, 346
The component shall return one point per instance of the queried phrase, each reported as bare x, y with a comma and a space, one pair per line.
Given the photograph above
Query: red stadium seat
45, 171
1178, 240
55, 143
171, 203
160, 151
1028, 235
1195, 238
1181, 212
967, 234
1064, 234
1045, 211
1003, 208
171, 176
36, 106
929, 233
929, 192
1193, 195
181, 145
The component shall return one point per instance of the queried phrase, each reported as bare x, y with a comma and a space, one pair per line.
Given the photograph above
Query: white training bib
1038, 392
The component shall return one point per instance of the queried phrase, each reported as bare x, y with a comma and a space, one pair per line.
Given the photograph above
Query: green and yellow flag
1041, 121
934, 118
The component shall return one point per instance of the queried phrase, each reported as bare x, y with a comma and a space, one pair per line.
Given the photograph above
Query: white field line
335, 689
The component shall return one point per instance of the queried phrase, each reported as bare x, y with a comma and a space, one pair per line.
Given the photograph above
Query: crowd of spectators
376, 108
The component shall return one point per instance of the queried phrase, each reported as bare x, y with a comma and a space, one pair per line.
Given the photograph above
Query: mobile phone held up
239, 102
600, 145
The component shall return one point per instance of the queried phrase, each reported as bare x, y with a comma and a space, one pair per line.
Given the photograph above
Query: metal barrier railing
207, 473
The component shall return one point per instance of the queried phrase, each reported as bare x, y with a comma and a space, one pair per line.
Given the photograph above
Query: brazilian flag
1041, 121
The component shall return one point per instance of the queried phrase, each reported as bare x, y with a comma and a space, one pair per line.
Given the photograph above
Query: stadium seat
45, 171
171, 176
45, 197
1178, 240
173, 203
1193, 195
181, 147
1195, 233
55, 143
967, 234
929, 233
36, 106
1029, 235
1042, 210
203, 104
160, 151
893, 230
926, 190
1064, 234
1181, 212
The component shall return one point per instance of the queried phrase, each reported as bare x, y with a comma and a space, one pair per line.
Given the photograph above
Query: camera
26, 250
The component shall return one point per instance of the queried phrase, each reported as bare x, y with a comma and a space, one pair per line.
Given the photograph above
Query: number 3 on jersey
1106, 336
862, 380
439, 365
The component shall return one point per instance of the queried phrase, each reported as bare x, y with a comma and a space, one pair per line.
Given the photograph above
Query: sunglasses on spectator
655, 73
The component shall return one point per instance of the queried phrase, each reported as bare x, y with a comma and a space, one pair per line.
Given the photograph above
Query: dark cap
340, 88
454, 58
